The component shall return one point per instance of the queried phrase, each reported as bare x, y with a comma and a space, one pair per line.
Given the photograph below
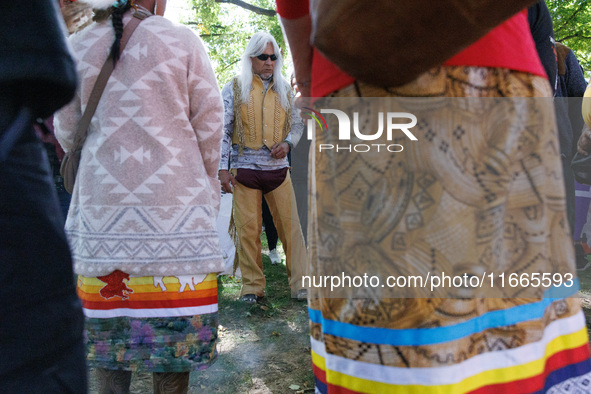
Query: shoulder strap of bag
101, 81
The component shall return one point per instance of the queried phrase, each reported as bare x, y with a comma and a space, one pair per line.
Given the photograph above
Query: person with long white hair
255, 47
261, 126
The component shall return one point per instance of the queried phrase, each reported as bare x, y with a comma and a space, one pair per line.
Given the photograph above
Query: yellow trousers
248, 221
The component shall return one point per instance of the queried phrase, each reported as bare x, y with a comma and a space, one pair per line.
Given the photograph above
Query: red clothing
293, 9
327, 77
510, 45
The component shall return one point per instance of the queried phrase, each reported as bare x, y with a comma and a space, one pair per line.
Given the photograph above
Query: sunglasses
264, 57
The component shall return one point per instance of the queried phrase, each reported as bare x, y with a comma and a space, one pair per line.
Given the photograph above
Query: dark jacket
566, 78
542, 30
41, 323
570, 82
34, 59
570, 87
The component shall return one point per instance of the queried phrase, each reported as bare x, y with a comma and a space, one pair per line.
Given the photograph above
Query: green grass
278, 294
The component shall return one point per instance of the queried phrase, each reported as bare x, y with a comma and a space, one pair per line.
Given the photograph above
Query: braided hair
117, 18
116, 12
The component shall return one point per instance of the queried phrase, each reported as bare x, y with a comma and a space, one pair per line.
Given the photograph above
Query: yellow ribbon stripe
486, 378
145, 284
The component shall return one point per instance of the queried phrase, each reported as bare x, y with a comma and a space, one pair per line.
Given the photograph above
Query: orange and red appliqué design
152, 324
115, 287
119, 292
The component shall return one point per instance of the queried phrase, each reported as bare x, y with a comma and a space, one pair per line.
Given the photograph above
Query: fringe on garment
234, 235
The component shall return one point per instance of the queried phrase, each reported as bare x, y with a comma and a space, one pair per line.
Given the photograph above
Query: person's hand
280, 150
584, 143
227, 180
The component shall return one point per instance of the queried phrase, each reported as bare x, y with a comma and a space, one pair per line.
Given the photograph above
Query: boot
113, 381
171, 382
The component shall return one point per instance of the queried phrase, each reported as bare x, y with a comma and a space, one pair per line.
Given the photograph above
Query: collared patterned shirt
254, 159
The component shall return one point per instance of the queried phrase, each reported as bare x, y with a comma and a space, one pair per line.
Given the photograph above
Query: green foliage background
226, 28
572, 27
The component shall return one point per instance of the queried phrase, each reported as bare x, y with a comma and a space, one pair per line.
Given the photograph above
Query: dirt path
263, 348
262, 354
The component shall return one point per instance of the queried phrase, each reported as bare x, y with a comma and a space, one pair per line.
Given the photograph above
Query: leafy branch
250, 7
231, 64
577, 35
571, 18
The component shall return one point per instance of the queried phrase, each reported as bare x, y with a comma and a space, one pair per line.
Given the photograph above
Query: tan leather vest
261, 121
